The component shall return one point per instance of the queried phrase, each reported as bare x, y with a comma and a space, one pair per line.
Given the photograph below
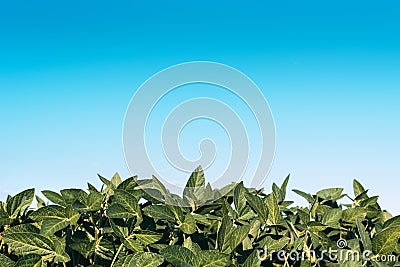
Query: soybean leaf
274, 213
6, 261
211, 258
178, 255
385, 242
365, 238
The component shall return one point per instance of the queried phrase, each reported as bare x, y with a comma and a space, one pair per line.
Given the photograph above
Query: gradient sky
329, 70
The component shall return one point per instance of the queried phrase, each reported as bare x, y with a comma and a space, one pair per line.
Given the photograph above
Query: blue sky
329, 70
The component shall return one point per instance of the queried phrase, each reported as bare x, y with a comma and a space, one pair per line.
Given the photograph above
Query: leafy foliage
122, 225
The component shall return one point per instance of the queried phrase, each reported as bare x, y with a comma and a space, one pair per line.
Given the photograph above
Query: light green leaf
229, 237
330, 193
358, 188
392, 222
177, 255
72, 194
365, 238
258, 206
30, 261
274, 213
128, 201
284, 186
253, 259
385, 242
50, 226
147, 237
274, 244
332, 217
140, 259
192, 246
54, 197
211, 258
239, 197
31, 243
196, 179
6, 261
19, 203
159, 212
188, 226
132, 244
307, 196
350, 215
48, 212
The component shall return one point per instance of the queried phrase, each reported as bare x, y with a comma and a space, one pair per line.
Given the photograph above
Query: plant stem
116, 255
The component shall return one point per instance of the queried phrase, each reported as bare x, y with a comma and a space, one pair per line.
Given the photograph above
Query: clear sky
330, 71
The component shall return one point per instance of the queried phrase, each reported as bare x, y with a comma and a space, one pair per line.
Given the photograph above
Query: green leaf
239, 197
72, 194
392, 222
224, 233
148, 259
332, 217
237, 236
132, 244
350, 215
358, 188
274, 213
189, 244
140, 259
91, 203
120, 227
284, 186
277, 192
258, 206
128, 201
253, 259
54, 197
316, 227
116, 180
330, 193
385, 242
31, 243
365, 238
40, 202
196, 179
23, 228
188, 226
195, 191
48, 212
17, 204
177, 255
371, 201
307, 196
117, 211
50, 226
125, 206
229, 237
6, 261
274, 244
84, 247
4, 217
147, 237
211, 258
30, 261
159, 212
54, 218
